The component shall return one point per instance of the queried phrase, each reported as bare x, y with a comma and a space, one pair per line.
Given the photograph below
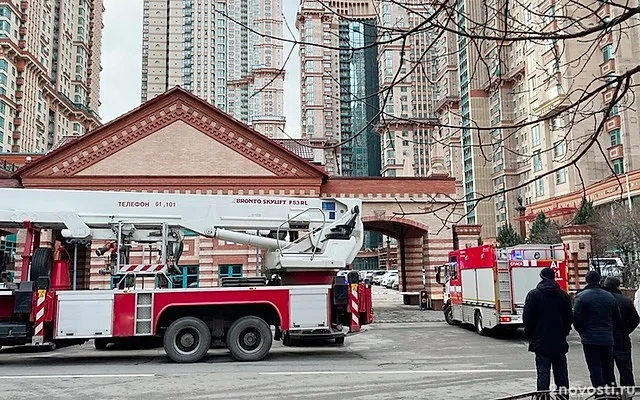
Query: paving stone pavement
388, 308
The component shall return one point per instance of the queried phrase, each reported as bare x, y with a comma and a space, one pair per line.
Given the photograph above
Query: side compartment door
84, 314
309, 307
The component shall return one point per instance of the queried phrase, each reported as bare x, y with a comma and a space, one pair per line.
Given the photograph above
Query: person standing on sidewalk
595, 314
622, 341
547, 318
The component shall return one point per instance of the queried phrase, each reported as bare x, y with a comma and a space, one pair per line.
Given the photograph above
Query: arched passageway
417, 255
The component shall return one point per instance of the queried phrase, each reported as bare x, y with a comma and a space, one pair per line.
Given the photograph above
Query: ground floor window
229, 271
189, 277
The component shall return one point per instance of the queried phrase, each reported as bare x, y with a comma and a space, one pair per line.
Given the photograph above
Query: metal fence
614, 393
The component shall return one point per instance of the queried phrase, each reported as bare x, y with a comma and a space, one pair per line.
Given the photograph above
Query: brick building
213, 153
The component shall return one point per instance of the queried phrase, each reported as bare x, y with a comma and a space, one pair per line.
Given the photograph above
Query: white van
607, 266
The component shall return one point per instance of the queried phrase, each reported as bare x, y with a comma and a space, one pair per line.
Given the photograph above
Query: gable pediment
173, 134
177, 149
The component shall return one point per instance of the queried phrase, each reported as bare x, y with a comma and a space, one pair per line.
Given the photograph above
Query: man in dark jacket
622, 342
547, 322
595, 313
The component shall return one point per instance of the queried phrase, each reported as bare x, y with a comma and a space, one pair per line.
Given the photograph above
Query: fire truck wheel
448, 316
187, 340
41, 262
480, 329
249, 339
100, 344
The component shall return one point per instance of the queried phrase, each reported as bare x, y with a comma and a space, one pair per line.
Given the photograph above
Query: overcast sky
122, 62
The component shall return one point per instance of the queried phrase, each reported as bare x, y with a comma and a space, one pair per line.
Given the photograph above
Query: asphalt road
430, 360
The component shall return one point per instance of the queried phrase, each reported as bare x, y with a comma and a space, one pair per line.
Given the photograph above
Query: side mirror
439, 275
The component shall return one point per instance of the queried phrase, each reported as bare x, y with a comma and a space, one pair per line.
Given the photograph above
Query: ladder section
505, 303
143, 313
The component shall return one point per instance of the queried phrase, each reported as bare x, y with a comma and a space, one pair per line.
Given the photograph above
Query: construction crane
305, 241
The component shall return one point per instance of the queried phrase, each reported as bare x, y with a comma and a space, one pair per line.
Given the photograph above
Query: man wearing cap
547, 322
595, 314
622, 342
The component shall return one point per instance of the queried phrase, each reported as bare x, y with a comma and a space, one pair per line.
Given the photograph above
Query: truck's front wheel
448, 315
249, 339
187, 340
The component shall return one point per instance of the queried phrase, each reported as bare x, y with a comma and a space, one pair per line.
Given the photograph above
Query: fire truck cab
487, 286
306, 241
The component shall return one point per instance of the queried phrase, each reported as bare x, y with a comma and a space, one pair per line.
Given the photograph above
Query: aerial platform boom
329, 231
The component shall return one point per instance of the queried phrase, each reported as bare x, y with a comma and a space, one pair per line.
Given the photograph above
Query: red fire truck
306, 241
486, 286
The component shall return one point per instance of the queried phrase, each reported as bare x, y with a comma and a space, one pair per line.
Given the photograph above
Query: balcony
606, 39
604, 11
608, 67
615, 152
267, 118
16, 135
22, 43
22, 30
552, 99
607, 96
549, 55
19, 81
613, 123
17, 121
19, 94
24, 5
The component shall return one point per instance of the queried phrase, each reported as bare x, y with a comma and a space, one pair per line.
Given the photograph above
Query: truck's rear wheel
480, 329
100, 344
249, 339
187, 340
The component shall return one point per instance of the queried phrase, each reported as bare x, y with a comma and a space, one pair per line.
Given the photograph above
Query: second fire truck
486, 286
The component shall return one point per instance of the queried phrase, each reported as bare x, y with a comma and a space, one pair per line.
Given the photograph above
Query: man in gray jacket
595, 316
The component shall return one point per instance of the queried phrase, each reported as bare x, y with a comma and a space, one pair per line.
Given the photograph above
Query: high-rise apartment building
211, 48
49, 71
339, 83
407, 98
344, 87
512, 96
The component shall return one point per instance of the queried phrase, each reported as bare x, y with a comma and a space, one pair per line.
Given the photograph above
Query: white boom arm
332, 229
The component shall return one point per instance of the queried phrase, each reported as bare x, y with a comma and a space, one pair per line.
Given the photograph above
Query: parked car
386, 277
371, 275
392, 280
378, 278
396, 283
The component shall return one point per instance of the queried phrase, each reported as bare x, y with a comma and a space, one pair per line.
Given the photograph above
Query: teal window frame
618, 166
230, 268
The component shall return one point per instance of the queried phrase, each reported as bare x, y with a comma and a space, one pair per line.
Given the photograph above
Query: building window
607, 53
559, 149
229, 271
535, 135
618, 166
561, 176
539, 187
537, 161
615, 137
